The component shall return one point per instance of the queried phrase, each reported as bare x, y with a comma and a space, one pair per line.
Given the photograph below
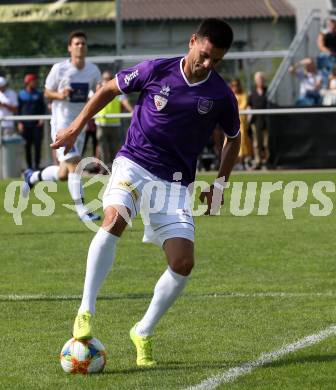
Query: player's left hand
214, 198
65, 137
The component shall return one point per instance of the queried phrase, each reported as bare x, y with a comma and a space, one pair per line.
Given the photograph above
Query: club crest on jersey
160, 102
204, 106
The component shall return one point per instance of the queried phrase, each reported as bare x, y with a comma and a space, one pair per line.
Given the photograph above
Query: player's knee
116, 219
182, 265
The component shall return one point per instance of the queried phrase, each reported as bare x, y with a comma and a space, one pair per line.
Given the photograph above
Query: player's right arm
55, 95
67, 137
51, 89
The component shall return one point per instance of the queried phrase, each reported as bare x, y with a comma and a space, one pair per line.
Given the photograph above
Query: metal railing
283, 89
269, 111
5, 62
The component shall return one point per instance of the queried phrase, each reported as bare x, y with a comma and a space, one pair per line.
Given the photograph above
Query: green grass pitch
226, 316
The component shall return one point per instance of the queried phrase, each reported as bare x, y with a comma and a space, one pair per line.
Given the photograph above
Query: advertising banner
61, 10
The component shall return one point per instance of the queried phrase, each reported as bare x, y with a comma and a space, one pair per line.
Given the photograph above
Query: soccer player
181, 101
68, 85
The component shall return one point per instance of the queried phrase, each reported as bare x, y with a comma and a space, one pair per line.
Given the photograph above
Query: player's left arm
214, 195
229, 156
229, 121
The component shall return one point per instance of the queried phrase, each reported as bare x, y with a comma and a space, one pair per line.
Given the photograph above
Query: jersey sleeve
229, 120
136, 78
52, 79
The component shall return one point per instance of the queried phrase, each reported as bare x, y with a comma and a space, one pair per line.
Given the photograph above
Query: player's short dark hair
218, 32
76, 34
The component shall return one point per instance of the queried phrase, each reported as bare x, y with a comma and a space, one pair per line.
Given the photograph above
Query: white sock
167, 289
35, 177
50, 173
47, 174
99, 262
76, 192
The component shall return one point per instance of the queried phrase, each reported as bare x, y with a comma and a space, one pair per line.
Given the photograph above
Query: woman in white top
310, 82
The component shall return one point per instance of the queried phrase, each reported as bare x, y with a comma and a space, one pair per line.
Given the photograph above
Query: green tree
30, 40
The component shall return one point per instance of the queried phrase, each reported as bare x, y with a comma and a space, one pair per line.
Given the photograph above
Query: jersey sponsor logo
165, 90
79, 92
129, 77
160, 102
204, 106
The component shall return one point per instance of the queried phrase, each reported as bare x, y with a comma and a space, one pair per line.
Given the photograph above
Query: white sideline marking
44, 297
37, 297
266, 294
265, 358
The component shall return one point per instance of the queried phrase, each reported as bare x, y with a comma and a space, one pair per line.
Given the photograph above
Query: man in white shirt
8, 106
68, 85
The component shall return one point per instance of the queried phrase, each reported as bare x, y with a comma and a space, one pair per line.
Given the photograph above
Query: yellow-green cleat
143, 345
82, 328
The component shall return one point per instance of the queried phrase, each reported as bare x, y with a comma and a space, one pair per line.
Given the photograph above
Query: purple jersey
173, 119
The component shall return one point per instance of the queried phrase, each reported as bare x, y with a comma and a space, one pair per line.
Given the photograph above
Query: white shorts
75, 151
164, 207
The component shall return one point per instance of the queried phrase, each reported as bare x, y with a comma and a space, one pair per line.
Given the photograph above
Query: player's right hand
65, 93
66, 138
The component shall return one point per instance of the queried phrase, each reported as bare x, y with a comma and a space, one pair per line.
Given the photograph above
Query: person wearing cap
8, 106
31, 102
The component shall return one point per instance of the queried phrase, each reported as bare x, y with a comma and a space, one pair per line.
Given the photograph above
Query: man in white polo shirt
68, 85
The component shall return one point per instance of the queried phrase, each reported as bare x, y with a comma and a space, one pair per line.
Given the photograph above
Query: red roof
200, 9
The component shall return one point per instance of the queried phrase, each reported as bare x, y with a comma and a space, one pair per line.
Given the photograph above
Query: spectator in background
258, 100
8, 106
109, 129
31, 102
326, 42
245, 153
91, 132
329, 95
310, 82
332, 80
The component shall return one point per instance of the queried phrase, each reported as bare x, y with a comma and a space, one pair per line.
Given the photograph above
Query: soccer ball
83, 356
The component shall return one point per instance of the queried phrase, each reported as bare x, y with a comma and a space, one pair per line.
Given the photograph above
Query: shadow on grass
59, 298
46, 233
302, 360
170, 366
66, 232
183, 366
